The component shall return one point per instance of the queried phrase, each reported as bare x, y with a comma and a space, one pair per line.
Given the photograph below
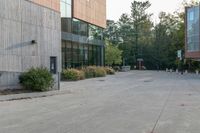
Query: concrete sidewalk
22, 96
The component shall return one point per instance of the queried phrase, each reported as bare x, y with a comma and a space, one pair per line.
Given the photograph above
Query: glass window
69, 11
66, 25
69, 51
75, 26
62, 9
80, 27
95, 32
63, 54
75, 52
193, 29
66, 9
91, 60
95, 55
86, 53
81, 54
98, 55
191, 16
67, 1
84, 29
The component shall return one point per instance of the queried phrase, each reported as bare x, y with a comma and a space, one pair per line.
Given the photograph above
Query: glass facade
79, 55
66, 8
193, 40
85, 29
75, 53
95, 32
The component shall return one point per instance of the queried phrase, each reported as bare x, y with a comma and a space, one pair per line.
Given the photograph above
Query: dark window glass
75, 51
75, 26
98, 55
81, 54
91, 59
193, 29
80, 27
95, 55
85, 54
66, 25
63, 54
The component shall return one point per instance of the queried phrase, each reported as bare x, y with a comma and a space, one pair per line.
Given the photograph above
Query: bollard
186, 71
171, 70
197, 72
177, 71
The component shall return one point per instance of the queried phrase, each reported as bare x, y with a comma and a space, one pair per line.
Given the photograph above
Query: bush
89, 71
109, 70
81, 75
73, 74
93, 71
100, 72
37, 79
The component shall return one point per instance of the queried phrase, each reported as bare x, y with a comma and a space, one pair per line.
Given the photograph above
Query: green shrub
100, 72
109, 70
89, 71
37, 79
73, 74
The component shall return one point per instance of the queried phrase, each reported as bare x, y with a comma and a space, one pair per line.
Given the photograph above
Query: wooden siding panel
91, 11
52, 4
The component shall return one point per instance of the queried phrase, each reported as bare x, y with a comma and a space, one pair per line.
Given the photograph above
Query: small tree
112, 55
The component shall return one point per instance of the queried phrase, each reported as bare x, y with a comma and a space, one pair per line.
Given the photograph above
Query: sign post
180, 56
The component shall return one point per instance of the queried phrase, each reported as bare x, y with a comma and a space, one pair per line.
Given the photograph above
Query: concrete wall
22, 21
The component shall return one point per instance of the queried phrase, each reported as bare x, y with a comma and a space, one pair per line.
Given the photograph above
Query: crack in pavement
162, 110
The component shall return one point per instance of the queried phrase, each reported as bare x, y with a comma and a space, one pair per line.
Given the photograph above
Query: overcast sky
116, 7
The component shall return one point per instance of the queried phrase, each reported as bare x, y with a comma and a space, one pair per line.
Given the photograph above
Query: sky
115, 8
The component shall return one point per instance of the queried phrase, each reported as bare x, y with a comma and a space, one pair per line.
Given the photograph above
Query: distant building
192, 33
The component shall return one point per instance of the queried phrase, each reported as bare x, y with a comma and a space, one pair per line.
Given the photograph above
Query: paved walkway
132, 102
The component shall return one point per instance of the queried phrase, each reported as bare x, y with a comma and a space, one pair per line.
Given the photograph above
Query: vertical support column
102, 55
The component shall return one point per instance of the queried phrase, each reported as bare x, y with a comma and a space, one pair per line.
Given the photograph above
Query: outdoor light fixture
33, 42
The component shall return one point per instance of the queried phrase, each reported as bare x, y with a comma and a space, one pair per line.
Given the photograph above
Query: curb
33, 95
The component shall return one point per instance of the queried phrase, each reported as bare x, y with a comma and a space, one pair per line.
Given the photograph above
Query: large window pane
66, 9
63, 54
85, 54
80, 27
95, 32
193, 29
66, 25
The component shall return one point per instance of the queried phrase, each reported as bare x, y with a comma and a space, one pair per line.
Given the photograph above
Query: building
192, 40
51, 33
82, 32
30, 36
